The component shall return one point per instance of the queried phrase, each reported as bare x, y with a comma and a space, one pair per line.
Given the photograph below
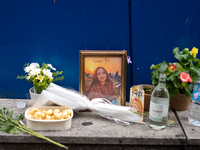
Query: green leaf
21, 117
182, 56
7, 127
2, 129
21, 77
176, 50
197, 70
155, 66
11, 114
178, 66
12, 131
5, 111
16, 130
154, 77
170, 78
187, 91
163, 67
177, 84
154, 82
173, 91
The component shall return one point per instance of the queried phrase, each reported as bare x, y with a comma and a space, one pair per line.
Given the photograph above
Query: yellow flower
186, 49
194, 52
40, 77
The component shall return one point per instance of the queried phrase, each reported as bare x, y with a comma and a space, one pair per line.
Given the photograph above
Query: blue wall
157, 28
44, 31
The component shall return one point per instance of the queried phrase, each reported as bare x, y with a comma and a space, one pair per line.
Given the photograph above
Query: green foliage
188, 63
148, 90
41, 77
7, 123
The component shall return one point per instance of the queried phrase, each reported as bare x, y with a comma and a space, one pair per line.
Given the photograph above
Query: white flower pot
34, 97
33, 94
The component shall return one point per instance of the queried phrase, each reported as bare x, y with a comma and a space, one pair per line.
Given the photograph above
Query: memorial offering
42, 76
180, 75
159, 105
49, 118
76, 101
137, 99
55, 114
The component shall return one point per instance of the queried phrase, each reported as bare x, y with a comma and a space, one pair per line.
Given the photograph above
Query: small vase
33, 94
34, 97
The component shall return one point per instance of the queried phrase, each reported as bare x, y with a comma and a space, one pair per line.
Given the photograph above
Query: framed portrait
102, 74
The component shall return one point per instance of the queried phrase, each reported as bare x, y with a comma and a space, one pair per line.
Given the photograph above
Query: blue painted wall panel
44, 31
157, 28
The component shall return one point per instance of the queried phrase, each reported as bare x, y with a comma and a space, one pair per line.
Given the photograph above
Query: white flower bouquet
41, 77
76, 101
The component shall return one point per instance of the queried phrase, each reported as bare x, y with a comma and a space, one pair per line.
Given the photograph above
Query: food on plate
49, 114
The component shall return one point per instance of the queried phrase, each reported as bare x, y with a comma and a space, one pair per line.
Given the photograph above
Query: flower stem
27, 130
141, 113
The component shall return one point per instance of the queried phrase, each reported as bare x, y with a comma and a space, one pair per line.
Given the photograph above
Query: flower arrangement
180, 76
40, 77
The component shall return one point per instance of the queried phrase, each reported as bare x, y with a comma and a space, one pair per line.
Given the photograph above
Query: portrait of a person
102, 86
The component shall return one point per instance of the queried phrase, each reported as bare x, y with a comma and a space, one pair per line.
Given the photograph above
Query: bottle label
155, 112
196, 95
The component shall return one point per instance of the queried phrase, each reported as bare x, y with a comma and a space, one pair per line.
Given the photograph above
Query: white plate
34, 124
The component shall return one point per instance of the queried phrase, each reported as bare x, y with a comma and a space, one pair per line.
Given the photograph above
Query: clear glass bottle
194, 116
159, 105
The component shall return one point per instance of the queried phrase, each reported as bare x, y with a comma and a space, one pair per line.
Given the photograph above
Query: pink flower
185, 77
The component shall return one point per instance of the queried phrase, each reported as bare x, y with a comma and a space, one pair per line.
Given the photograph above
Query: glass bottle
159, 105
194, 116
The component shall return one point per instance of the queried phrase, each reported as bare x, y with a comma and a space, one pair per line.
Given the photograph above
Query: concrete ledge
91, 131
33, 146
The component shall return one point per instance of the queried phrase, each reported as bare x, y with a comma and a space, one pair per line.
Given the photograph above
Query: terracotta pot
147, 97
180, 102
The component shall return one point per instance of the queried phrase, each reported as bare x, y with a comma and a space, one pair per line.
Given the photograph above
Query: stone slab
90, 128
192, 132
42, 146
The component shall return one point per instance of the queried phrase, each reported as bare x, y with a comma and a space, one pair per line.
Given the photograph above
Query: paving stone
192, 132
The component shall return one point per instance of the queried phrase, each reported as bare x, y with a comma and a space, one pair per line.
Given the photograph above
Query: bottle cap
21, 105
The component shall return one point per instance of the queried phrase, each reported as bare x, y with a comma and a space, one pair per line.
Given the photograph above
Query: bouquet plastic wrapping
55, 94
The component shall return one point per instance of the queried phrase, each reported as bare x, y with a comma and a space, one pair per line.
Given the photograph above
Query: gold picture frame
114, 64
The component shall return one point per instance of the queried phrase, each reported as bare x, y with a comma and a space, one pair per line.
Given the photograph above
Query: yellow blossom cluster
193, 52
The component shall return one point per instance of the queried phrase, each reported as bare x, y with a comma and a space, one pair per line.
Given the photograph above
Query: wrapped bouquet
76, 101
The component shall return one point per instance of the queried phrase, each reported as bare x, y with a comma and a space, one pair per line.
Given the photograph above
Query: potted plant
40, 77
147, 97
180, 76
